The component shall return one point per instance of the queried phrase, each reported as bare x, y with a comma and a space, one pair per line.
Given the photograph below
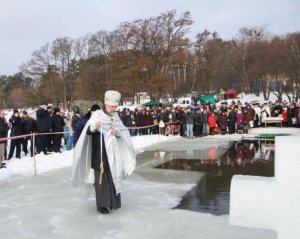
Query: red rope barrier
30, 135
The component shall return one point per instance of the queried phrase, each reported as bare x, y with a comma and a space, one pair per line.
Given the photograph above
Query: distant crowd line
189, 122
201, 120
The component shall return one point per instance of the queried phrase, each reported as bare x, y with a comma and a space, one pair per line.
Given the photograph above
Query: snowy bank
46, 163
255, 132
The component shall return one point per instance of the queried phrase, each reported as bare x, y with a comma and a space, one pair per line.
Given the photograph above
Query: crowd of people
201, 120
189, 122
48, 125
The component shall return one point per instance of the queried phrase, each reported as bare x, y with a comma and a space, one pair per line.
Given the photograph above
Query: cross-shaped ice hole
271, 203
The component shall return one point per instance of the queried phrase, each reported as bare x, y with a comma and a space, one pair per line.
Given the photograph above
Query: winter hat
112, 98
15, 111
25, 112
95, 107
56, 110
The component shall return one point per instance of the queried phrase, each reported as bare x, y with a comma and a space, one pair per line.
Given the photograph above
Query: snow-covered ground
25, 165
260, 97
48, 206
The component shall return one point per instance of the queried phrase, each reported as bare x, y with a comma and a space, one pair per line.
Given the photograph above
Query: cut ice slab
48, 206
181, 144
169, 176
271, 203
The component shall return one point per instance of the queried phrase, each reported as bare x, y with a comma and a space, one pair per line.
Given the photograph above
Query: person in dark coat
204, 122
198, 123
223, 122
126, 118
25, 122
16, 130
3, 134
231, 119
182, 119
44, 125
127, 121
82, 122
277, 110
138, 119
146, 121
56, 127
32, 128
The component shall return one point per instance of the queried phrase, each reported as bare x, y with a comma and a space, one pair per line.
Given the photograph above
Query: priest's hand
114, 132
99, 124
96, 126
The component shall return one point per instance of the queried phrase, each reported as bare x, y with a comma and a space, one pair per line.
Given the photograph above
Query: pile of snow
145, 141
44, 163
276, 205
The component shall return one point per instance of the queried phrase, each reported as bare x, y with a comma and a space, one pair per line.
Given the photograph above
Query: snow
25, 165
281, 193
48, 206
143, 141
260, 97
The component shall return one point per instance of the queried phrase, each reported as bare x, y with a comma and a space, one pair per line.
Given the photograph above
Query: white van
183, 102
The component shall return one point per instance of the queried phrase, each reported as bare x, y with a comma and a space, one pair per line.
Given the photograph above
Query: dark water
212, 193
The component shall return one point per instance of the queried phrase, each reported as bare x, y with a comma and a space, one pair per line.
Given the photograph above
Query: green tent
208, 99
152, 103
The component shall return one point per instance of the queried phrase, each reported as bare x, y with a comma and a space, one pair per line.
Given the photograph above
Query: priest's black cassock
106, 196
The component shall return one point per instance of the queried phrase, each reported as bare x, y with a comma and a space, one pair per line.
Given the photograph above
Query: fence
33, 137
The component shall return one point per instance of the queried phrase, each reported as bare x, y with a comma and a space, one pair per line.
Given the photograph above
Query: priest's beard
111, 113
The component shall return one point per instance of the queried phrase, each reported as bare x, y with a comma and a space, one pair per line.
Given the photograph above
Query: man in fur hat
105, 146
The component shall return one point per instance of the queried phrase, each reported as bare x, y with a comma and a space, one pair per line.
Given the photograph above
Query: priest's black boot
103, 210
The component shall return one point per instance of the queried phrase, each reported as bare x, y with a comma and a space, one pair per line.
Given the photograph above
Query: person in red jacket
211, 122
285, 117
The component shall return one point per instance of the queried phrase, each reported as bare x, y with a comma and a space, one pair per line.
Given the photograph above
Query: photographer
43, 126
57, 126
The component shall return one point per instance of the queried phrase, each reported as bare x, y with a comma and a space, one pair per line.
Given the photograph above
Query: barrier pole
33, 151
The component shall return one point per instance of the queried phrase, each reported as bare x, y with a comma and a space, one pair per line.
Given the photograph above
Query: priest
106, 147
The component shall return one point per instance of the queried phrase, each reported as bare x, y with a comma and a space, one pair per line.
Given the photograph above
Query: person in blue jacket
82, 122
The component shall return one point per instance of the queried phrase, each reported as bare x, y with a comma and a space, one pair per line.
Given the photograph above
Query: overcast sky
26, 25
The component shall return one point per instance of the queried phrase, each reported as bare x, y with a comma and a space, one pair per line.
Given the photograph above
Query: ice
271, 203
48, 206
